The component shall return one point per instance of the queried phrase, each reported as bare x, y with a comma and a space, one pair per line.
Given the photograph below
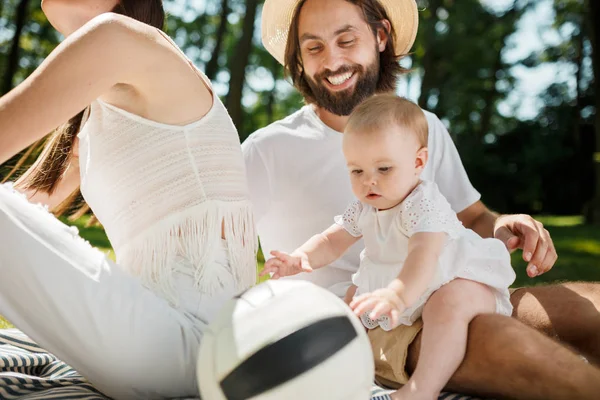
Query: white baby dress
386, 233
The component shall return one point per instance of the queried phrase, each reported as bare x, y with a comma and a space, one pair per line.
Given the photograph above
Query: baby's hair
382, 110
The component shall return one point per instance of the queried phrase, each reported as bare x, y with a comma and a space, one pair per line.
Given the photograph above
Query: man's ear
383, 34
421, 159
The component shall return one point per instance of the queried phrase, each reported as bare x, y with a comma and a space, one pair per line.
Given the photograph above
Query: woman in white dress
419, 261
158, 160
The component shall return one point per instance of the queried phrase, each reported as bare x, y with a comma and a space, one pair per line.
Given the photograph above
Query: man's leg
569, 312
507, 359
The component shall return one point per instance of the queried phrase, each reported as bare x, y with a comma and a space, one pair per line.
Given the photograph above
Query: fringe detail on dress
195, 235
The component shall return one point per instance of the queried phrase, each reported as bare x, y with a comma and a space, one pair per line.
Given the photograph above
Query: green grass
578, 247
93, 234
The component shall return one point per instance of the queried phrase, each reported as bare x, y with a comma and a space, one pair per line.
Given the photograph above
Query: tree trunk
274, 64
578, 91
428, 79
213, 64
13, 57
593, 208
490, 99
492, 94
238, 66
2, 7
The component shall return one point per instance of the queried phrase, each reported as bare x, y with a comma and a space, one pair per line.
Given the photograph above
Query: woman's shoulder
152, 66
120, 31
120, 24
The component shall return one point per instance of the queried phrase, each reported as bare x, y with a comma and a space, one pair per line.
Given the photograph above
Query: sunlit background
513, 80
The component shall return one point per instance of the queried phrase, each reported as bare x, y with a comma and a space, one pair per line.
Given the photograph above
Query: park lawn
578, 247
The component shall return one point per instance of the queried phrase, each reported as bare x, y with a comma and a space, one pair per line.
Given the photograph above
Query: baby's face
384, 166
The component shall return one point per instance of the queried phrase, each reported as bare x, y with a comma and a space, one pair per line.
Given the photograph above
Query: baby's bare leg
446, 317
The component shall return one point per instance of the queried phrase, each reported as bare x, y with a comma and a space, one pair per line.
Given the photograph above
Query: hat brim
277, 17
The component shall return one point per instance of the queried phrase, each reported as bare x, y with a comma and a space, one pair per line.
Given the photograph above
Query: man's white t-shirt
299, 182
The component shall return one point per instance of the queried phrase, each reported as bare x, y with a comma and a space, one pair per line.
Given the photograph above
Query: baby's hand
381, 302
283, 264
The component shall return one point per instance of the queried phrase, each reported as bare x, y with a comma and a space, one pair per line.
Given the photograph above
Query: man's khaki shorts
390, 349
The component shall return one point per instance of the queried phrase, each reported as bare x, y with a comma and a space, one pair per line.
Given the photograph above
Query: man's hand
381, 302
283, 264
523, 232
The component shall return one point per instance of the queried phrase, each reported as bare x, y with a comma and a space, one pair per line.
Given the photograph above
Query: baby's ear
421, 159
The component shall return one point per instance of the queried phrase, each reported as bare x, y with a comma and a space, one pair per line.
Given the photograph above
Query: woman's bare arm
109, 50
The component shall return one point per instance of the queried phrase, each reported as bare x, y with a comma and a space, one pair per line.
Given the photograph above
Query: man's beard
343, 102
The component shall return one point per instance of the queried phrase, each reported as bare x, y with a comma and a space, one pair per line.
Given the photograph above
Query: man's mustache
342, 70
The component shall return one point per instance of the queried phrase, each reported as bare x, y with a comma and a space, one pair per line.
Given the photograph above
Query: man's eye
346, 42
357, 171
385, 169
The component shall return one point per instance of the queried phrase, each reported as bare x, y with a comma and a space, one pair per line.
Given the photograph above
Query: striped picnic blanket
29, 372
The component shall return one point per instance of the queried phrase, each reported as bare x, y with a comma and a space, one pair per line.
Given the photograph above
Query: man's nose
333, 59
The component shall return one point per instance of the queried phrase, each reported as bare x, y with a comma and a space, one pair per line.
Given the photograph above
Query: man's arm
517, 231
479, 218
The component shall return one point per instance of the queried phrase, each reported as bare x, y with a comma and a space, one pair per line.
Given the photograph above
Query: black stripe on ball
287, 358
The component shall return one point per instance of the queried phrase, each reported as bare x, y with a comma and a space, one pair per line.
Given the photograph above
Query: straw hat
277, 16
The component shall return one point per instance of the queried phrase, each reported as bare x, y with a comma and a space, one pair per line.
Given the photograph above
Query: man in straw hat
338, 53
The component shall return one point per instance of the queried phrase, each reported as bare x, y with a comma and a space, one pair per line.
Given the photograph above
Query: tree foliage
460, 68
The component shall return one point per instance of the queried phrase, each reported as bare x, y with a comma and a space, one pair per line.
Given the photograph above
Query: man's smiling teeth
339, 79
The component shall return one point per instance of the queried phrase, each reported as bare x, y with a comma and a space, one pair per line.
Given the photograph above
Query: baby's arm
424, 250
319, 251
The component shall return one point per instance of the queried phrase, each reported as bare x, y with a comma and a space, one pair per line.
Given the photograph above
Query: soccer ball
285, 340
